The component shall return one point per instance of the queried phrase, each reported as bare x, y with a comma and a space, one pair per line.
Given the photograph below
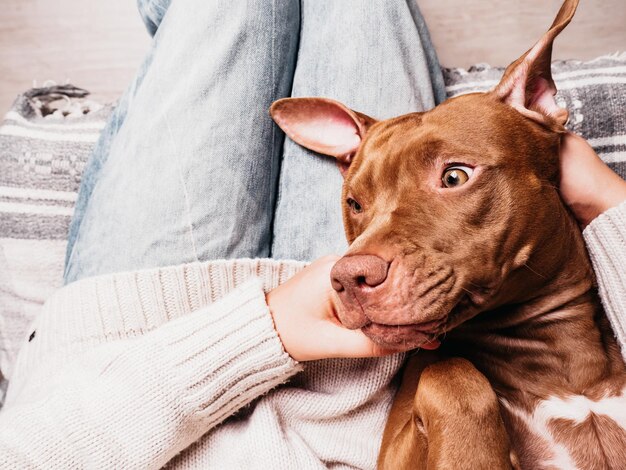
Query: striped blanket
594, 93
44, 145
45, 140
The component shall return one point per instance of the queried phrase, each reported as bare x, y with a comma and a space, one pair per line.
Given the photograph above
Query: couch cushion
45, 140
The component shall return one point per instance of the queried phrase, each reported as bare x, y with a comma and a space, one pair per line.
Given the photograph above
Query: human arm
304, 312
606, 241
597, 197
125, 399
136, 403
588, 186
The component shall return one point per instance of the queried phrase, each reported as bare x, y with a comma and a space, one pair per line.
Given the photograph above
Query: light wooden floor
97, 44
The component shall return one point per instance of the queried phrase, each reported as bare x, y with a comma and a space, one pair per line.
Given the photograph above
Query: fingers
353, 343
326, 262
587, 185
307, 311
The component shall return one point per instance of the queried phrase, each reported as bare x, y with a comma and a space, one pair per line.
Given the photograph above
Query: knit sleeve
606, 241
136, 403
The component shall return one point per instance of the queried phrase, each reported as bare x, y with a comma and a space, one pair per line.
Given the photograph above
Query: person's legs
152, 13
191, 172
374, 56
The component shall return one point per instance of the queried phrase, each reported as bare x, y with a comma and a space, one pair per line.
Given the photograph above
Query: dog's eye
456, 176
354, 206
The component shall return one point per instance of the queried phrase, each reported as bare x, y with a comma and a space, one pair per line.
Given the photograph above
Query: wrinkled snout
358, 272
353, 277
400, 304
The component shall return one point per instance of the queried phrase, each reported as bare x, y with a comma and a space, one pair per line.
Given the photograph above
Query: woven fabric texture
47, 136
594, 92
45, 140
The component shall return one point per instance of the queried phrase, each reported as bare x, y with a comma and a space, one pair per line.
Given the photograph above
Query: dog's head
449, 212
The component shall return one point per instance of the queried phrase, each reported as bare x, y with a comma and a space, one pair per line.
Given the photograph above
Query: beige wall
498, 31
97, 44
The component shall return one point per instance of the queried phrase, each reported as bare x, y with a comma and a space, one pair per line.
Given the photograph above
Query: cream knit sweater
138, 369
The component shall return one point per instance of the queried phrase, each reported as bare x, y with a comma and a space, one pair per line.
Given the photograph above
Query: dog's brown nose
358, 272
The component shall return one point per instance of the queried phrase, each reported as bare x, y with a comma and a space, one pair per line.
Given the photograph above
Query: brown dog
456, 228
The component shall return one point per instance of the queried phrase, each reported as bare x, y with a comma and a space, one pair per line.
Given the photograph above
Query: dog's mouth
424, 335
402, 337
412, 308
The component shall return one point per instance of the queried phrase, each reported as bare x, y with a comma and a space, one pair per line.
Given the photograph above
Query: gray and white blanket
45, 140
594, 92
47, 136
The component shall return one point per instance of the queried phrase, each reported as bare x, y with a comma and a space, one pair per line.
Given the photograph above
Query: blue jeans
190, 166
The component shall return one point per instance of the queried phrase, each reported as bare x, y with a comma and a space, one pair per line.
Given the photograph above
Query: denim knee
152, 13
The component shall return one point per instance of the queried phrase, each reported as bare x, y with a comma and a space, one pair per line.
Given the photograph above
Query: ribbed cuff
136, 403
606, 241
127, 305
94, 311
230, 347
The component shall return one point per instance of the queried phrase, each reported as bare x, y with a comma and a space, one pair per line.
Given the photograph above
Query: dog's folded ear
322, 125
527, 84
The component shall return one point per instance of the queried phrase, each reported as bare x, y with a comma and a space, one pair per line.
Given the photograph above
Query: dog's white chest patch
575, 408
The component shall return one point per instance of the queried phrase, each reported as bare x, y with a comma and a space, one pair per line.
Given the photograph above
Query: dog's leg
405, 445
445, 416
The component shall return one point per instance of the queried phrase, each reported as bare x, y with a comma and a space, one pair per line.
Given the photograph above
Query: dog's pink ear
527, 83
322, 125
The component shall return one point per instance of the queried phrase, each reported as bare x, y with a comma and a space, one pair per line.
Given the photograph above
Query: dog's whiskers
535, 272
549, 185
467, 290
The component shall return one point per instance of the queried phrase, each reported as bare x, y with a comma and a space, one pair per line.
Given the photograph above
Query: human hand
304, 311
587, 186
